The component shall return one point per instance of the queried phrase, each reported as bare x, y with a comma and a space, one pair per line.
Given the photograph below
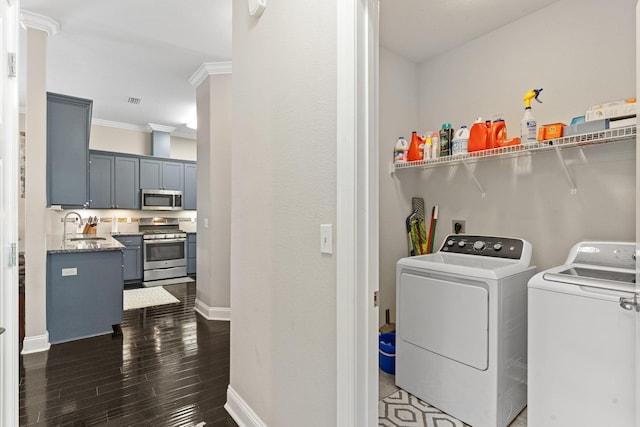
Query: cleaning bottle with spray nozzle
528, 125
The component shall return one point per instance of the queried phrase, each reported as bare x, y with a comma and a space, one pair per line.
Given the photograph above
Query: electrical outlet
458, 226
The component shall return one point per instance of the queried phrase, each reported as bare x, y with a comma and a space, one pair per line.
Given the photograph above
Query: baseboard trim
36, 344
212, 313
240, 411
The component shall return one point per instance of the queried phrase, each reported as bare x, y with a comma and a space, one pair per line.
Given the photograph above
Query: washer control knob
450, 242
461, 243
478, 245
497, 246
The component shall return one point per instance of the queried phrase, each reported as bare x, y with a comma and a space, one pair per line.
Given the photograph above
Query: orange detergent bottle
478, 136
416, 148
498, 135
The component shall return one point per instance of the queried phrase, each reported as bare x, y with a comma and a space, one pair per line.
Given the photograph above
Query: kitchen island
84, 286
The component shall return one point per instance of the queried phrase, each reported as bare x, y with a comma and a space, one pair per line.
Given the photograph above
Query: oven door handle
165, 240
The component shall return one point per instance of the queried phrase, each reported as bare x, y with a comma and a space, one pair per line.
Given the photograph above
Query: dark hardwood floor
170, 367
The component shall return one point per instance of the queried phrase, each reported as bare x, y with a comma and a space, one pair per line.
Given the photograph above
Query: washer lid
601, 278
466, 265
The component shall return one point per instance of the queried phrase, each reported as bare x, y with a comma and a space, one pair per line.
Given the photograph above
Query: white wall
213, 97
398, 113
529, 197
35, 212
283, 320
581, 53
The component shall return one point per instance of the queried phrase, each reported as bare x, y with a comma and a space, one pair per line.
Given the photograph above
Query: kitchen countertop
127, 233
55, 245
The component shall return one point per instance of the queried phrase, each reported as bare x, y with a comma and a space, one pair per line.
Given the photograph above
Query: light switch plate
326, 238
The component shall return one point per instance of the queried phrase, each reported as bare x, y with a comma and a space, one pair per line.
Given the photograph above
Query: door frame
9, 142
637, 337
357, 213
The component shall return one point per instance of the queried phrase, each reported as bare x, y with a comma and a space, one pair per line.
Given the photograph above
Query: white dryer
582, 339
461, 326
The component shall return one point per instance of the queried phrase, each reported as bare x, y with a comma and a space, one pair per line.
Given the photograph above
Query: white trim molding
36, 344
29, 19
240, 411
212, 313
160, 128
357, 214
119, 125
209, 69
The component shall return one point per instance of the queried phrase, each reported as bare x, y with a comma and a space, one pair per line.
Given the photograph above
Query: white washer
581, 339
461, 327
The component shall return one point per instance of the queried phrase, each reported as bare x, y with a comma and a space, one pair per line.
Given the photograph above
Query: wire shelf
591, 138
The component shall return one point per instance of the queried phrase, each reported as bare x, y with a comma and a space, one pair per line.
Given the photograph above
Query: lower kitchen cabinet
84, 294
191, 253
132, 261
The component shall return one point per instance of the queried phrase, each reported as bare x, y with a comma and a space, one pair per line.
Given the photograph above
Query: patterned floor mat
404, 410
147, 297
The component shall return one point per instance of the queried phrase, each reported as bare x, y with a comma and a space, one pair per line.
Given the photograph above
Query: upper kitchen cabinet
101, 189
114, 181
161, 174
189, 195
127, 182
68, 127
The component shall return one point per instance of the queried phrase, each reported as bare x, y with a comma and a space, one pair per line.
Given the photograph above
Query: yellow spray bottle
528, 125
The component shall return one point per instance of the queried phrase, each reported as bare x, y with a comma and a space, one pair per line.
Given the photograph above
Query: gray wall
528, 197
283, 296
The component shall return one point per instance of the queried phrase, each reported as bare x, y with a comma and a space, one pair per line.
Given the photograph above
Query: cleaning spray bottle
528, 125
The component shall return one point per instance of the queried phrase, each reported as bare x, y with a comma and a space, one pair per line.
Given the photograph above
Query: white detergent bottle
400, 151
460, 142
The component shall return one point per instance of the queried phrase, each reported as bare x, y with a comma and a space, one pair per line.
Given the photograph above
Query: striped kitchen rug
147, 297
401, 409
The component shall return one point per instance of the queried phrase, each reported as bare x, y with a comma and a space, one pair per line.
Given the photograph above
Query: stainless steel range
164, 250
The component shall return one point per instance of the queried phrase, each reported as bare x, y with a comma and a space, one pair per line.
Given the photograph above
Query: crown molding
161, 128
119, 125
185, 133
208, 69
39, 22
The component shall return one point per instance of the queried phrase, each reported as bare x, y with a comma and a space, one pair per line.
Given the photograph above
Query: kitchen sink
90, 239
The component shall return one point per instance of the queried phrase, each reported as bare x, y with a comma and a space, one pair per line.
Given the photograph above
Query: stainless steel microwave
161, 200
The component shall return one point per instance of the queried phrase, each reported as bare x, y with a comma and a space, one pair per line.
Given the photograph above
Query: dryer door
445, 317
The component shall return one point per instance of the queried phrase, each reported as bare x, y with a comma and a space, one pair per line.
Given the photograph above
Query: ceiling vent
133, 100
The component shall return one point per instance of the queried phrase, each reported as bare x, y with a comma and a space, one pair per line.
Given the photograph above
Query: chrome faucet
64, 229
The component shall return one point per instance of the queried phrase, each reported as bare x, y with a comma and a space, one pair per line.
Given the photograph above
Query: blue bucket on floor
387, 352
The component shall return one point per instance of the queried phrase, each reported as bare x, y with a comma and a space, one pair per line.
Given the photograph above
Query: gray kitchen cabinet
127, 182
113, 182
101, 181
68, 129
191, 253
132, 260
189, 196
161, 174
84, 294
